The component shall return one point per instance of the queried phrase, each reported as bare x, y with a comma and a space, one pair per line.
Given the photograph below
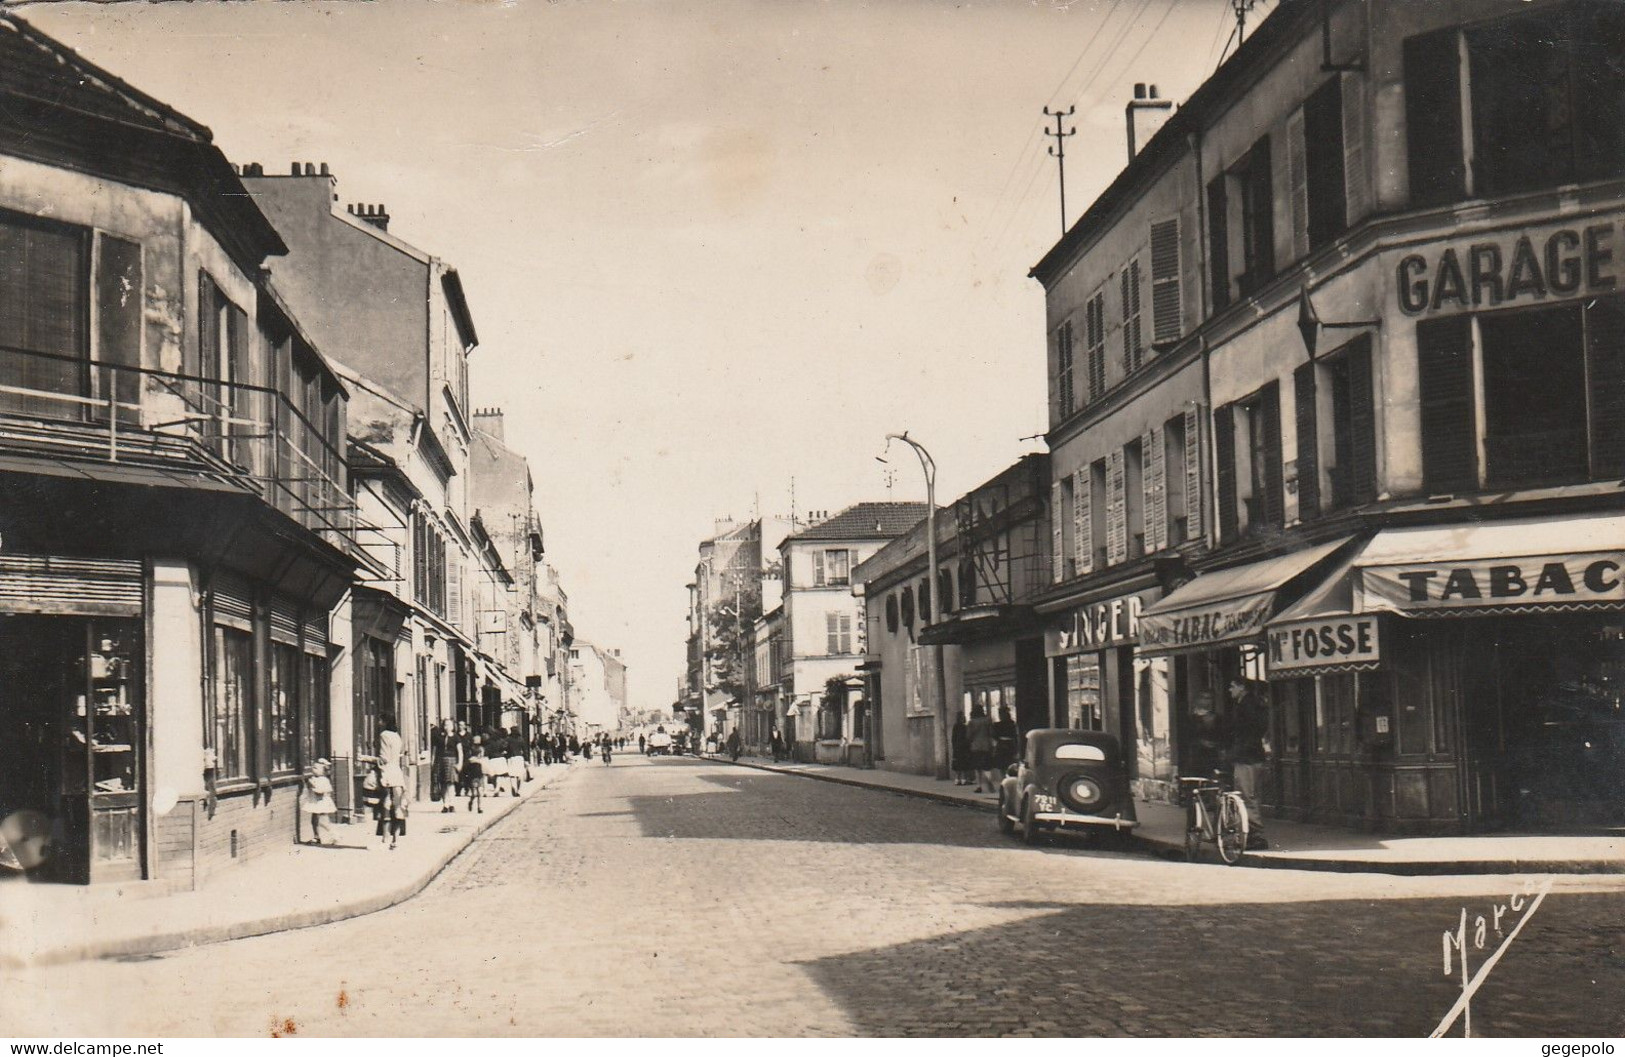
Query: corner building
1402, 335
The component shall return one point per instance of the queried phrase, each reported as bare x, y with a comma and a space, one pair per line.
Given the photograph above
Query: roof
865, 521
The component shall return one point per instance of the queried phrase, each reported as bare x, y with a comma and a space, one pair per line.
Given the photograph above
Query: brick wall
259, 823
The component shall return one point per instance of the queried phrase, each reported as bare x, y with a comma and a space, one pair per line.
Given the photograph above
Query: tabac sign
1332, 643
1101, 626
1557, 581
1516, 267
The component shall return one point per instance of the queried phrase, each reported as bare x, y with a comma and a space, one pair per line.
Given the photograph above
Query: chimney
376, 215
487, 420
1145, 113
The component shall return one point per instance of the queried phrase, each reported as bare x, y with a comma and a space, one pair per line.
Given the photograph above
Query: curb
1165, 849
238, 930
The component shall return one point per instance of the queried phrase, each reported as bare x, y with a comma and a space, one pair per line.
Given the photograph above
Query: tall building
1337, 366
725, 597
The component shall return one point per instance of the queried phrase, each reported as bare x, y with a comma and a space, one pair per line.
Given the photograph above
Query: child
376, 797
474, 773
318, 803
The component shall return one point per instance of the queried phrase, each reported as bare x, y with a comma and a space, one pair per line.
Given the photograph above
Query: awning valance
1227, 607
1320, 634
1484, 568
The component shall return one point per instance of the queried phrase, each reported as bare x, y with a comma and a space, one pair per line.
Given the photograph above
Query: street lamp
928, 465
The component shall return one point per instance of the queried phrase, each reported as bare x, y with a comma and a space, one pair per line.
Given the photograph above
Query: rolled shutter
1224, 449
1194, 474
1297, 167
1444, 365
1083, 528
1308, 442
315, 632
1605, 350
1056, 538
1356, 177
1361, 464
232, 601
1218, 237
1154, 484
1274, 487
284, 621
70, 586
1433, 138
1116, 509
1167, 319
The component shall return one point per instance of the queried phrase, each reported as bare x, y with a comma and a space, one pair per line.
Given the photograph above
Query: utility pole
1057, 150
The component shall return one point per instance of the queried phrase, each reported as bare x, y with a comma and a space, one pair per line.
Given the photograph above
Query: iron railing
252, 436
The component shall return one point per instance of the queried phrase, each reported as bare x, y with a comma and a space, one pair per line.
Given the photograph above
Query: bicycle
1214, 814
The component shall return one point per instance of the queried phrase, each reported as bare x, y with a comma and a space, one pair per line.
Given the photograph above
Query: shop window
375, 674
1080, 675
282, 717
1546, 96
1335, 709
315, 719
233, 665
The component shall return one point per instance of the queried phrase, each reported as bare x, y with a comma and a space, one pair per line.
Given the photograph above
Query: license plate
1041, 802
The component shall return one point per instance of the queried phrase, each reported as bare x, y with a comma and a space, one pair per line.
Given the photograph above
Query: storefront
1101, 683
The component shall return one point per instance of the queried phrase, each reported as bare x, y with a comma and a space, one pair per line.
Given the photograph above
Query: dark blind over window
1433, 117
1257, 217
1360, 460
1605, 336
1218, 238
1269, 407
1308, 441
1224, 449
1444, 360
1323, 142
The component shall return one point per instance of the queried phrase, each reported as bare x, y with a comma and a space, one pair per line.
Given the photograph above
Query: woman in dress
392, 775
1005, 738
496, 760
448, 765
980, 732
474, 773
959, 746
518, 766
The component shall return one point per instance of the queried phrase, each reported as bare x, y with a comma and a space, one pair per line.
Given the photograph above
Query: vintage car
1067, 779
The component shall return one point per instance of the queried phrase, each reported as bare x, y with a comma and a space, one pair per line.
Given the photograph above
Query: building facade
1397, 325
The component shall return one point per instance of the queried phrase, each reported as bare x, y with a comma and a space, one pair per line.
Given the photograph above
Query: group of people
981, 748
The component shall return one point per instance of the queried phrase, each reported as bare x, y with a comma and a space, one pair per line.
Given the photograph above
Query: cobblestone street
692, 897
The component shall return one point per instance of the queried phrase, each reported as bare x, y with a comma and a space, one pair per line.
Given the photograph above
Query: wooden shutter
1218, 237
1116, 509
1167, 318
1133, 350
1356, 177
1360, 466
818, 569
1444, 365
208, 329
1297, 168
1605, 352
1224, 449
454, 591
118, 322
1324, 154
1308, 442
1083, 529
1433, 137
1194, 474
1269, 405
1154, 486
1056, 537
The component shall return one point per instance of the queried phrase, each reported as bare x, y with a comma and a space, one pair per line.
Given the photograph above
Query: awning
1320, 634
1226, 607
1495, 567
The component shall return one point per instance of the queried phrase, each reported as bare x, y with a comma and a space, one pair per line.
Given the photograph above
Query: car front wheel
1029, 824
1007, 825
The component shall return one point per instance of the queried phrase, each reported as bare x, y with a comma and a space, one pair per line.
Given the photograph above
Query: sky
714, 250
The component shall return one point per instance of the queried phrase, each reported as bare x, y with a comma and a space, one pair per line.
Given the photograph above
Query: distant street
679, 896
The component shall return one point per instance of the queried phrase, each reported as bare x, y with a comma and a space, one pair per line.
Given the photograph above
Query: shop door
71, 711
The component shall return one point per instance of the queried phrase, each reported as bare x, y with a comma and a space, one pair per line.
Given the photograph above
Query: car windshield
1080, 752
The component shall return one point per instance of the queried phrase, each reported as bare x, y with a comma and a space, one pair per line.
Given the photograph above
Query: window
316, 715
233, 664
429, 572
838, 628
1346, 454
1098, 523
1133, 350
1323, 152
832, 568
1250, 484
375, 691
1251, 179
923, 595
1094, 319
1173, 447
44, 309
945, 588
1548, 385
1134, 497
1066, 399
282, 722
1545, 95
1070, 554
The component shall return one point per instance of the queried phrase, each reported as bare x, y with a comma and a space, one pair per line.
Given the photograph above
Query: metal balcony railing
252, 436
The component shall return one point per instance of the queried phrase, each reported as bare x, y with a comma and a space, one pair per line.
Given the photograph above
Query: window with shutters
1534, 397
1057, 532
44, 313
1173, 447
1259, 486
1117, 550
1218, 243
232, 665
1095, 338
838, 631
1444, 366
923, 597
1324, 188
1134, 498
1071, 545
1082, 514
1066, 397
1099, 504
1167, 318
454, 590
1154, 489
1255, 217
1546, 97
1351, 457
1133, 348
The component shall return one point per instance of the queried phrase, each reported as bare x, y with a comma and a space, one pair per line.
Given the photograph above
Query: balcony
71, 409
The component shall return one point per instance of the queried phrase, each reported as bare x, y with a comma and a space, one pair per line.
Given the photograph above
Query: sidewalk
1293, 845
293, 887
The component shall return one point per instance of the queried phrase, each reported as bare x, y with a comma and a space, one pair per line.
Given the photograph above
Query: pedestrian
643, 743
1249, 747
448, 766
374, 798
496, 761
318, 803
518, 766
474, 773
959, 751
465, 743
575, 746
392, 774
586, 749
1005, 736
735, 746
604, 749
775, 745
980, 733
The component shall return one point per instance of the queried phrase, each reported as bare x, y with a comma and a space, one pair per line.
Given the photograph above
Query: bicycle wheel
1193, 829
1232, 829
